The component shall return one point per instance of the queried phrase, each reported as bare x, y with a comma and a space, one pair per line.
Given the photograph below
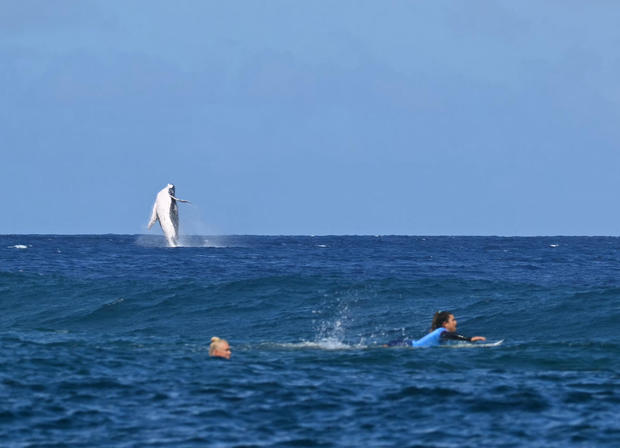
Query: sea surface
104, 341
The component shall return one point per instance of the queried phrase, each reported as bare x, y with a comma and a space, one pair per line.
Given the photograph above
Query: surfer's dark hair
440, 318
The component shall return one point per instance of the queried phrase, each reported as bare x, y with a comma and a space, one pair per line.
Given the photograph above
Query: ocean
104, 341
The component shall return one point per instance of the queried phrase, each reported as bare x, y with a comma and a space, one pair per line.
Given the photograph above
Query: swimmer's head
444, 319
219, 348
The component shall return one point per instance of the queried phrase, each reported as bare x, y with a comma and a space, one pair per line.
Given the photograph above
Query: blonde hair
215, 341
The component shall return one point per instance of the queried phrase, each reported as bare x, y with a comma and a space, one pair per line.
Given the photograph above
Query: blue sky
323, 117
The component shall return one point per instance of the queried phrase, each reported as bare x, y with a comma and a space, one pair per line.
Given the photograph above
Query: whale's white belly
168, 216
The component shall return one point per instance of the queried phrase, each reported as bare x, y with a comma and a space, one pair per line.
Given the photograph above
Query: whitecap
324, 344
115, 302
19, 246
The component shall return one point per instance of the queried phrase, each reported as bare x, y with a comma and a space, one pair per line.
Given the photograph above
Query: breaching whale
166, 211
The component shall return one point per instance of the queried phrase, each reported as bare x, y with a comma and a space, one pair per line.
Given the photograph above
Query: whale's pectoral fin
153, 217
180, 200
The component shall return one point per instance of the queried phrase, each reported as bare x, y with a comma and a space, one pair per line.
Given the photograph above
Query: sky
321, 117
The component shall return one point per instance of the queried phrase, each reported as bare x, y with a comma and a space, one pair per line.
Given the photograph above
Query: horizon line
377, 235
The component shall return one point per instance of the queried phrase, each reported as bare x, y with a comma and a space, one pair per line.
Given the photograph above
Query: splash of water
330, 333
193, 229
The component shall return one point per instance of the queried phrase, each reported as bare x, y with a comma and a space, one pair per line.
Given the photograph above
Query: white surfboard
473, 345
489, 344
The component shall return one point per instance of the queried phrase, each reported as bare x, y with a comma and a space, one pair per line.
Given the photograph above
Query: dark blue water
104, 341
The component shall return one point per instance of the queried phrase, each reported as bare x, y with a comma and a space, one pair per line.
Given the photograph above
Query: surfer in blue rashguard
443, 329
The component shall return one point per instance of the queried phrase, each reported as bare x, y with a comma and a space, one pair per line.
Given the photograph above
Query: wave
329, 311
325, 344
336, 344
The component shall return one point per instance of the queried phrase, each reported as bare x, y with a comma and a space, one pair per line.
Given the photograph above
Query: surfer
443, 329
219, 348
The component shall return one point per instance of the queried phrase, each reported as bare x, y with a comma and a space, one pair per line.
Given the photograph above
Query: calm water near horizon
104, 341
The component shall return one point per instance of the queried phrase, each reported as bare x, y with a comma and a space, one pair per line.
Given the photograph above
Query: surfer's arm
453, 336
